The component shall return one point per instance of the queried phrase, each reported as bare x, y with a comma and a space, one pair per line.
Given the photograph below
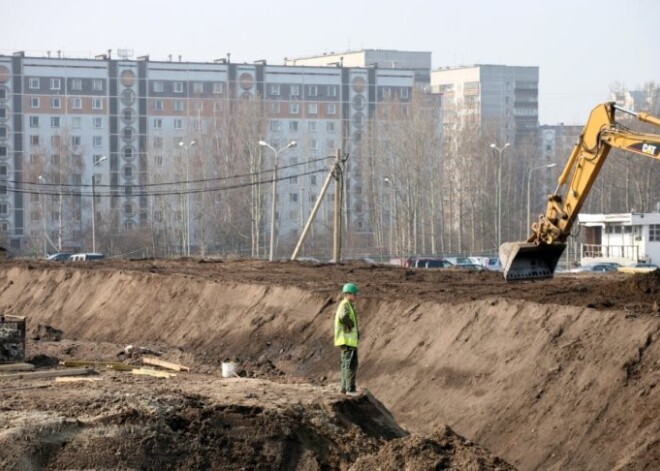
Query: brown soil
553, 374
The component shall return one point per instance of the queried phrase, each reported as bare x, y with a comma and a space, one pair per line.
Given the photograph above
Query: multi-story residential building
74, 132
504, 98
417, 61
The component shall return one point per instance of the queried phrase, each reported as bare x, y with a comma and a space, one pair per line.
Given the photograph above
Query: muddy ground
458, 369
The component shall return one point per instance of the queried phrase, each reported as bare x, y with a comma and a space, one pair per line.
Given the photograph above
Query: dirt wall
544, 386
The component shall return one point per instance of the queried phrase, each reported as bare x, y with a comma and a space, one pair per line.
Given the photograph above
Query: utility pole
339, 189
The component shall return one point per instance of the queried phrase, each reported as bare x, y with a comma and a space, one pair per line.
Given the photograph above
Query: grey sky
581, 46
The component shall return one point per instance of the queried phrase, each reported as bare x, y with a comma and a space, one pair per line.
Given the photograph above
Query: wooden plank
164, 364
71, 379
113, 365
48, 374
17, 367
150, 372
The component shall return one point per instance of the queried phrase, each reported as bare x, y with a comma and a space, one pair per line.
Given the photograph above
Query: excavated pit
548, 374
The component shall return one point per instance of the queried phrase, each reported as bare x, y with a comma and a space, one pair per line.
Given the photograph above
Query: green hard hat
350, 288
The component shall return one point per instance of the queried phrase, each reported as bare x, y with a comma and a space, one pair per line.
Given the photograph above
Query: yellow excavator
538, 256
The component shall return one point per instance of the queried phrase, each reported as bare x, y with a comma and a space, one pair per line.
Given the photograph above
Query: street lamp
97, 162
272, 211
187, 147
42, 196
391, 184
500, 151
529, 187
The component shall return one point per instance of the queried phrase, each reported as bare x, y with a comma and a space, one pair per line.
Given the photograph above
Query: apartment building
500, 97
82, 141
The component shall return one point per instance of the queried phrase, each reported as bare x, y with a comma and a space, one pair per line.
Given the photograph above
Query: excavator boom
537, 257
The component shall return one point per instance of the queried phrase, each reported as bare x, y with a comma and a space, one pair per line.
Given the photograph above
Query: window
3, 93
55, 84
293, 126
178, 105
158, 123
654, 233
55, 122
76, 84
218, 87
158, 160
55, 141
295, 90
275, 107
128, 208
127, 115
294, 108
76, 122
3, 188
34, 140
332, 108
157, 86
97, 123
3, 132
312, 180
158, 142
76, 103
34, 215
313, 144
3, 151
312, 90
311, 126
97, 103
128, 171
97, 85
33, 83
275, 126
128, 134
387, 92
330, 126
97, 141
3, 170
34, 102
330, 144
158, 105
128, 153
76, 140
178, 87
3, 112
96, 159
312, 108
275, 89
199, 106
34, 121
178, 124
405, 92
128, 190
198, 87
293, 197
55, 103
4, 209
55, 159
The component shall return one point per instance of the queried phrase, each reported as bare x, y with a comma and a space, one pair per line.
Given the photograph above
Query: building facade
83, 140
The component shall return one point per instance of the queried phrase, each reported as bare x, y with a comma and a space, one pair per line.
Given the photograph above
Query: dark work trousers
349, 366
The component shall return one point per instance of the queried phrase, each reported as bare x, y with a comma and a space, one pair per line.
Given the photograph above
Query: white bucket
228, 369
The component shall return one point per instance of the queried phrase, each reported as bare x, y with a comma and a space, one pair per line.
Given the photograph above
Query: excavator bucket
528, 261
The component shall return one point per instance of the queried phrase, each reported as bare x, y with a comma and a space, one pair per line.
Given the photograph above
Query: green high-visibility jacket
346, 335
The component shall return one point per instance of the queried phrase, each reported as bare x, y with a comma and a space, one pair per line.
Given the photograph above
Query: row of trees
427, 189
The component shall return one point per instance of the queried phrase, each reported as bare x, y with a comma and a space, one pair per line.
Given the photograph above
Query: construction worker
347, 336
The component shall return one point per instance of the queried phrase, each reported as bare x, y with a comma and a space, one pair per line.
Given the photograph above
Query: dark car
432, 263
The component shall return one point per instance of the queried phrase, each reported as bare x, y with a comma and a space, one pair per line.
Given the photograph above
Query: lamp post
391, 184
42, 196
272, 211
500, 151
529, 188
98, 162
187, 147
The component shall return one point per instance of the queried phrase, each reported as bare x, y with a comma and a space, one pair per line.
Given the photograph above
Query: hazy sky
582, 47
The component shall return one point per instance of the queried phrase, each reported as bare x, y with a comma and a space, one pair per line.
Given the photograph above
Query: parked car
597, 267
639, 267
59, 257
86, 257
431, 263
465, 262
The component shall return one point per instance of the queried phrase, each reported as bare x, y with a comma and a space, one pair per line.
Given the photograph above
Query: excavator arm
538, 256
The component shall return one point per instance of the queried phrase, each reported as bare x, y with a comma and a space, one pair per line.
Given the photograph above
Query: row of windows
56, 141
75, 103
158, 86
56, 121
34, 83
312, 126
